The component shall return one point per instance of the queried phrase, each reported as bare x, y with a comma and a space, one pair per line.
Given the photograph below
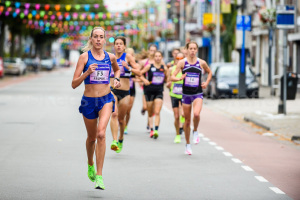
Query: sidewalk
263, 114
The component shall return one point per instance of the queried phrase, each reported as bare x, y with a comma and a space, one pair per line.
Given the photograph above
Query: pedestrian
149, 60
156, 74
127, 65
97, 103
176, 96
192, 95
132, 81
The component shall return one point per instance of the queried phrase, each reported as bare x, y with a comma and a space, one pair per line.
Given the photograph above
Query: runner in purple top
192, 95
156, 74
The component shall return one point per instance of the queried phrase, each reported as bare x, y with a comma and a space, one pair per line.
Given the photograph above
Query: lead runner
93, 68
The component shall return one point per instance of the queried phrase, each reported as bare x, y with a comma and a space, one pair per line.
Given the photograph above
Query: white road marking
219, 148
206, 139
201, 135
227, 154
277, 190
249, 169
261, 179
213, 143
236, 160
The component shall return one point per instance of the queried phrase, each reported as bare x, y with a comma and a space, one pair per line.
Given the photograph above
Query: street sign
285, 17
209, 18
243, 22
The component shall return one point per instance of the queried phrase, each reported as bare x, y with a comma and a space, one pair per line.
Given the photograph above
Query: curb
258, 123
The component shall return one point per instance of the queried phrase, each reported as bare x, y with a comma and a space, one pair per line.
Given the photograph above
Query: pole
218, 32
284, 69
181, 35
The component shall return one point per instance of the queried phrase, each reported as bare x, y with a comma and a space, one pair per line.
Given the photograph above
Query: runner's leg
197, 107
104, 115
187, 114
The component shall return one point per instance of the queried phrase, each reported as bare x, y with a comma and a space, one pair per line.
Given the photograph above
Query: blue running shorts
90, 106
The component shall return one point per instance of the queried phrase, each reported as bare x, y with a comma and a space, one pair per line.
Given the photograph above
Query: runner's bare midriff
125, 84
96, 90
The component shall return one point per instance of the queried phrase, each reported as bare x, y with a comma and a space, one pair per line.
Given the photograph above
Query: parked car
1, 68
225, 82
47, 64
31, 64
213, 67
14, 66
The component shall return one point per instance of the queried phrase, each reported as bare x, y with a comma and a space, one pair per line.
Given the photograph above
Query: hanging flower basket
267, 17
149, 38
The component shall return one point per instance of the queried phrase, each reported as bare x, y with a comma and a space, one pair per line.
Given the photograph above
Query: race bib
191, 79
131, 83
158, 78
177, 88
100, 75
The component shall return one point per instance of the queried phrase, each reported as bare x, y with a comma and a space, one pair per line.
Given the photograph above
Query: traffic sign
285, 17
243, 22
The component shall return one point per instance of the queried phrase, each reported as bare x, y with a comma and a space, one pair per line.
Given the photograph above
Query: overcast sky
120, 5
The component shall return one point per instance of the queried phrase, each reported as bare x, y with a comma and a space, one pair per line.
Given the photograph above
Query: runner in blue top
93, 68
156, 74
192, 95
127, 65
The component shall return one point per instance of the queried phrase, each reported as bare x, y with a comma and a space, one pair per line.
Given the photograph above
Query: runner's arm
78, 77
135, 67
207, 70
145, 69
179, 67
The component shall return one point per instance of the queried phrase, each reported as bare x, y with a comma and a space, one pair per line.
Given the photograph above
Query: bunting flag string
47, 7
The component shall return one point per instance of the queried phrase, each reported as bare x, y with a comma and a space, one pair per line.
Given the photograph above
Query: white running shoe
196, 137
188, 149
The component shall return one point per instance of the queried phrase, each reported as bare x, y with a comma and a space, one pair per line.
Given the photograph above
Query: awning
294, 37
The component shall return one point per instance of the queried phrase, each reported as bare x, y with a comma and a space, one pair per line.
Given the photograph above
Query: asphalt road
43, 156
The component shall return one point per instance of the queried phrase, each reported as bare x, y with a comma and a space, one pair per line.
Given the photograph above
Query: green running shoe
91, 172
155, 135
182, 119
99, 183
120, 146
114, 145
177, 139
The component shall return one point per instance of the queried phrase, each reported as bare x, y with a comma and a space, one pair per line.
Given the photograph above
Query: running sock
121, 141
147, 127
180, 130
188, 145
156, 128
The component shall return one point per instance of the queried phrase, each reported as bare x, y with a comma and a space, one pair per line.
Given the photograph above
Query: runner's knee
101, 135
197, 115
91, 139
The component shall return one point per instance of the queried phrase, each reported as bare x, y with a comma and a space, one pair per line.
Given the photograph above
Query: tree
228, 36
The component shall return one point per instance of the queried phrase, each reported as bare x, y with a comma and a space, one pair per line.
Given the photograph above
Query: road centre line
276, 190
236, 160
219, 148
261, 179
213, 143
247, 168
227, 154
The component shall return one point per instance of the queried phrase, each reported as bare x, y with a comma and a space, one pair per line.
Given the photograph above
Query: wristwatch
118, 79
